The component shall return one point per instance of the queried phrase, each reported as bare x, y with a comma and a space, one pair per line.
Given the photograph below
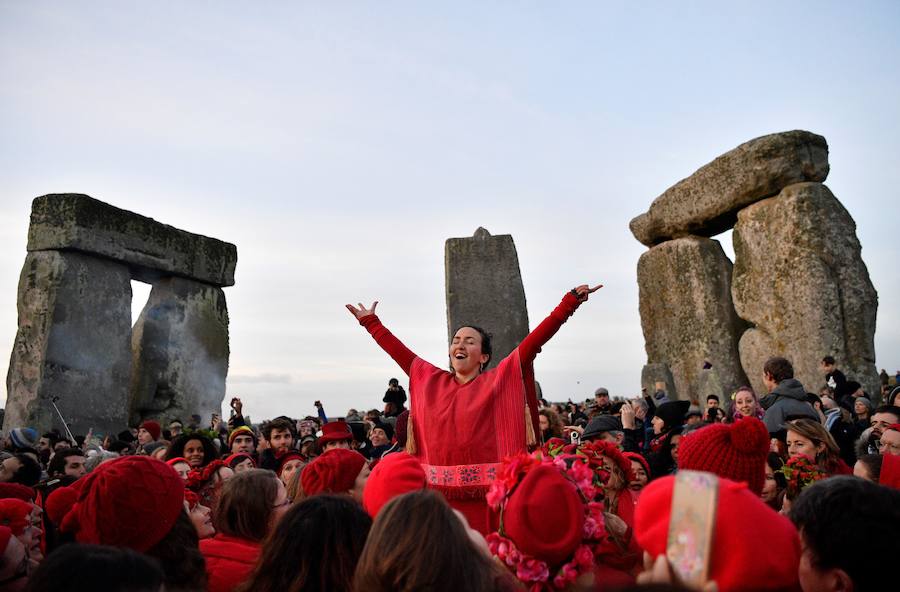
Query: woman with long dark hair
248, 507
314, 548
404, 553
475, 400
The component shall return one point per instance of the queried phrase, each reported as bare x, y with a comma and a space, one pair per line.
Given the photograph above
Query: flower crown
198, 478
533, 572
800, 471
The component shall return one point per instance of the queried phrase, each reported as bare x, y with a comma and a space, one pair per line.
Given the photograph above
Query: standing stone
484, 288
687, 315
654, 373
72, 343
707, 202
180, 352
800, 280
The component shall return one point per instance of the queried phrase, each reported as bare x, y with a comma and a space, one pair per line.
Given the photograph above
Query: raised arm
533, 342
390, 344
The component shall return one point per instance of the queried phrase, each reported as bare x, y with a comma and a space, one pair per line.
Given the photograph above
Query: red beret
394, 475
153, 427
735, 451
237, 458
15, 514
335, 471
544, 516
754, 547
132, 501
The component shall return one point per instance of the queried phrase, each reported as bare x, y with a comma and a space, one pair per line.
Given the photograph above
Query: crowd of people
781, 490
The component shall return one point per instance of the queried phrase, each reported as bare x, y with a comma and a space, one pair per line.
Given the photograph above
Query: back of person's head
178, 552
76, 568
779, 369
314, 548
849, 528
404, 553
29, 473
245, 503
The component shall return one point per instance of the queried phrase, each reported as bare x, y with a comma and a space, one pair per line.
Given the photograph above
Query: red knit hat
17, 491
239, 457
395, 475
753, 548
178, 459
289, 455
15, 514
638, 458
735, 451
335, 471
153, 427
334, 431
132, 501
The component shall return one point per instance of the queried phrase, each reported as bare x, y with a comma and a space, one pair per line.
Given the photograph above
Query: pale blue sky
339, 144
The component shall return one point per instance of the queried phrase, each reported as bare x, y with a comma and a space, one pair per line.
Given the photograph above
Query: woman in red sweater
249, 506
491, 413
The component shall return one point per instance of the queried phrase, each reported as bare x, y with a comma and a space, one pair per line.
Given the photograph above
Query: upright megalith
180, 351
798, 289
74, 342
707, 202
800, 280
687, 316
484, 288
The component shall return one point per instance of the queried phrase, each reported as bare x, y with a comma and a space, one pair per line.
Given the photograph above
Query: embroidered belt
461, 475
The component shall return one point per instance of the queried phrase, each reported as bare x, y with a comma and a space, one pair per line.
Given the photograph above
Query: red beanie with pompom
735, 451
335, 471
754, 547
132, 501
394, 475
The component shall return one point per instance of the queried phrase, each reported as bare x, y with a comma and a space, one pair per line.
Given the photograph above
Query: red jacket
229, 561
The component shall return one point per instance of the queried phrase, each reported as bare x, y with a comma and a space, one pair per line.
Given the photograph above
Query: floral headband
533, 572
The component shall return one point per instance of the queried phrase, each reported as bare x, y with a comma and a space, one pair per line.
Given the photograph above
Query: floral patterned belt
479, 475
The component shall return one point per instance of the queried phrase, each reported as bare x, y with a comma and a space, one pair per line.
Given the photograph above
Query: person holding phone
493, 412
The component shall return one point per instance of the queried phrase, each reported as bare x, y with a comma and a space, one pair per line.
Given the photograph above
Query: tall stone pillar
484, 288
180, 351
687, 316
799, 278
72, 343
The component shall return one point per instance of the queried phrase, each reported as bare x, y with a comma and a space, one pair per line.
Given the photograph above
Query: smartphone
693, 518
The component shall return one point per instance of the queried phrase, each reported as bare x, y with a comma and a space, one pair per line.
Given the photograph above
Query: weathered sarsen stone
72, 343
180, 352
78, 222
707, 202
800, 280
484, 288
687, 315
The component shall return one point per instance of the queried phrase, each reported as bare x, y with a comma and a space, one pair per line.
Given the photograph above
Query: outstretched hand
362, 311
583, 291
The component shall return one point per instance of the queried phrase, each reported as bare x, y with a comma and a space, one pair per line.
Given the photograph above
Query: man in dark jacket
786, 398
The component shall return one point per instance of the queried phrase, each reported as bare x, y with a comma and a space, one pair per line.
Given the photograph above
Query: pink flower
584, 557
496, 494
532, 570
